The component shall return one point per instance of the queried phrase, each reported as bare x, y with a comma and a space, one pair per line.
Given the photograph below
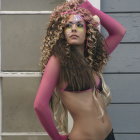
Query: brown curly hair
55, 43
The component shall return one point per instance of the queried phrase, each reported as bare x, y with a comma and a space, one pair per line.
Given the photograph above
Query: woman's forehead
75, 18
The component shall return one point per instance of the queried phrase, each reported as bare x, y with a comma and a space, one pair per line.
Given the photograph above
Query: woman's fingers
77, 1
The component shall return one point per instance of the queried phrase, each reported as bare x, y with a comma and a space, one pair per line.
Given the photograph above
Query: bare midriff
84, 111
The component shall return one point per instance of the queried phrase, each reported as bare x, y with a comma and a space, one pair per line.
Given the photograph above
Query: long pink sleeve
115, 29
44, 93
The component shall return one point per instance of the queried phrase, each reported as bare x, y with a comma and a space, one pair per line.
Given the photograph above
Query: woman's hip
110, 136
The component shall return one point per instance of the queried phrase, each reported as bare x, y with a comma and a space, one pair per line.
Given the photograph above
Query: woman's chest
98, 83
78, 102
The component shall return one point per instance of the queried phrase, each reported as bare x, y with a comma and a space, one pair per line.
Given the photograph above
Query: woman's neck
79, 49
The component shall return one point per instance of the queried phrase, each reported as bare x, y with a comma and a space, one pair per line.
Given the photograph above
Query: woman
73, 57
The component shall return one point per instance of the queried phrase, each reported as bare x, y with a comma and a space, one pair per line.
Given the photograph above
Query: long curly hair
94, 59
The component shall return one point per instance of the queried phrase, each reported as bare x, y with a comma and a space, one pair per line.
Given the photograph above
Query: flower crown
96, 18
96, 21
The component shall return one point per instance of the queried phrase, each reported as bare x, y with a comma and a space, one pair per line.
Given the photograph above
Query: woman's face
75, 30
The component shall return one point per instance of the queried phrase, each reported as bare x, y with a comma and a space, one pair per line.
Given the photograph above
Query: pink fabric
115, 29
44, 93
50, 77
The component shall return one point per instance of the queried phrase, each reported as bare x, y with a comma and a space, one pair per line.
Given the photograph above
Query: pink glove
115, 29
41, 104
64, 137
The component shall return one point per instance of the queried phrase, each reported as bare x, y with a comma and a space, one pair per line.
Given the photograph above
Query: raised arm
44, 93
115, 29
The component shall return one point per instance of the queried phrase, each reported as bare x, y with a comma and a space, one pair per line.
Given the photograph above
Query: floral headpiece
96, 21
96, 18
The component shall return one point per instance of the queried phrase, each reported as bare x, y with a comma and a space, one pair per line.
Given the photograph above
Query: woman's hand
64, 137
77, 1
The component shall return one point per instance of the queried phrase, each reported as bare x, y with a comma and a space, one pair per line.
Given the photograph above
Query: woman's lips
73, 36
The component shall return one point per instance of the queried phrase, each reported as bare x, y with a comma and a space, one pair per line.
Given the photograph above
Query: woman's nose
74, 27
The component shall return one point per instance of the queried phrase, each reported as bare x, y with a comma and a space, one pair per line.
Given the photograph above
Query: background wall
123, 70
22, 28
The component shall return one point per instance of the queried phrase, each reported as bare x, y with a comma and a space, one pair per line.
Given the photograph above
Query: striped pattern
122, 72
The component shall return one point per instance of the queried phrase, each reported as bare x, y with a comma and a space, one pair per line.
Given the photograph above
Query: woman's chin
74, 43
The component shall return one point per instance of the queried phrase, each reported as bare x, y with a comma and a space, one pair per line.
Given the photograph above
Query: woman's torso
84, 111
